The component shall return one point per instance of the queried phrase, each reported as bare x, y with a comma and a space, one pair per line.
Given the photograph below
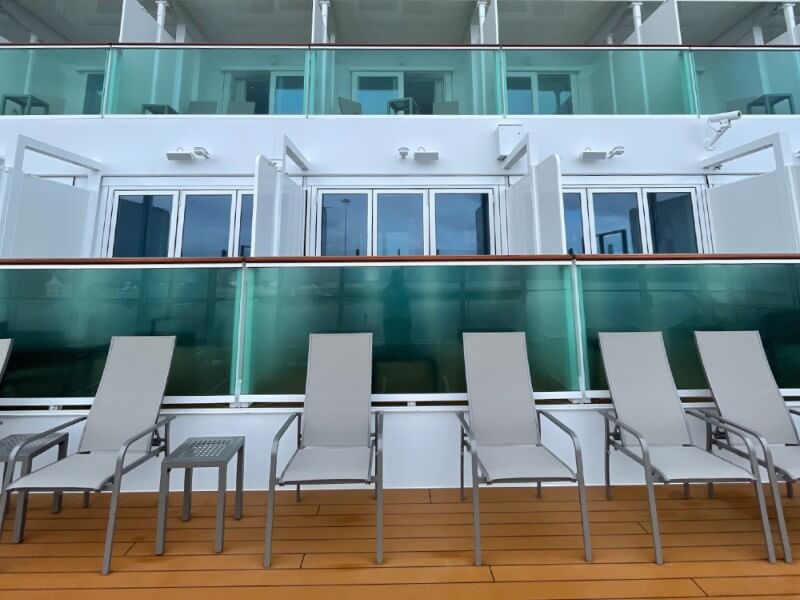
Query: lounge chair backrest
642, 387
338, 390
743, 385
499, 389
5, 352
129, 396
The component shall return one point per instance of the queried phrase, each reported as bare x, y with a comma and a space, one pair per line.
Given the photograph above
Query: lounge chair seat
89, 471
690, 463
322, 463
522, 462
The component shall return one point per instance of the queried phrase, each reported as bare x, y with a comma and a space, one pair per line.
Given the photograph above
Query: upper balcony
401, 80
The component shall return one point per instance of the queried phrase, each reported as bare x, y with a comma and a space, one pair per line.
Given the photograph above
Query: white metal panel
291, 235
754, 214
491, 31
661, 27
265, 208
549, 205
46, 219
138, 25
521, 219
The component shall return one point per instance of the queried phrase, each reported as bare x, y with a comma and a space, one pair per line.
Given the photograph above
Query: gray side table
196, 453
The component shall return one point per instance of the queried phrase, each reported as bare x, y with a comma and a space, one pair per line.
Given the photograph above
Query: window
573, 222
672, 222
407, 92
617, 227
402, 222
93, 96
540, 93
373, 92
287, 94
190, 224
142, 225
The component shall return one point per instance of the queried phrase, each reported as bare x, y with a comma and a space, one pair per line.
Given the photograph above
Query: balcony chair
503, 434
121, 430
349, 107
335, 444
748, 399
241, 107
649, 426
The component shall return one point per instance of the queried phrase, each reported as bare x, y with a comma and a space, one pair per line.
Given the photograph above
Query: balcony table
26, 103
404, 106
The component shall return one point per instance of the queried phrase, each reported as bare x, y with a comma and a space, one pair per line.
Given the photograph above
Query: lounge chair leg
187, 495
297, 493
22, 506
237, 510
686, 493
607, 461
587, 538
163, 505
219, 530
789, 489
270, 514
711, 492
776, 499
476, 512
461, 464
57, 496
112, 523
379, 508
4, 498
86, 499
538, 489
765, 526
651, 501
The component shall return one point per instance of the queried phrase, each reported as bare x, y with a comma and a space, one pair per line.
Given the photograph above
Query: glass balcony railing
177, 80
360, 81
61, 320
207, 81
598, 82
52, 81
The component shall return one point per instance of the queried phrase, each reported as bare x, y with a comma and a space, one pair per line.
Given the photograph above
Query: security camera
733, 115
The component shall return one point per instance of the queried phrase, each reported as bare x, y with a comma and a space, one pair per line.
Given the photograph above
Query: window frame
434, 192
182, 216
316, 226
112, 232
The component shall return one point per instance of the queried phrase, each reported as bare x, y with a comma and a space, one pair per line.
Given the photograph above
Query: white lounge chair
650, 426
503, 435
121, 430
335, 444
749, 399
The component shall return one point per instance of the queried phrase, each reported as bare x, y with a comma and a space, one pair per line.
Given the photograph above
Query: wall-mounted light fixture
180, 154
403, 152
590, 154
425, 156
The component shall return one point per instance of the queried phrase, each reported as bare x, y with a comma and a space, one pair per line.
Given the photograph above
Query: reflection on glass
554, 94
520, 95
343, 227
573, 222
616, 222
246, 225
288, 95
462, 224
206, 225
375, 91
672, 222
400, 225
142, 228
426, 88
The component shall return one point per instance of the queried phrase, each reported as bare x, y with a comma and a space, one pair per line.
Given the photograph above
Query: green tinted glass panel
600, 82
417, 315
408, 81
52, 81
201, 81
679, 299
62, 321
756, 82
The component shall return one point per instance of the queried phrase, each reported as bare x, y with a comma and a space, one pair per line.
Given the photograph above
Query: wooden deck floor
324, 549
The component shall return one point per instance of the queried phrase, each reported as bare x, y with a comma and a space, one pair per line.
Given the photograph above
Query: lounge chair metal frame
376, 479
114, 483
480, 475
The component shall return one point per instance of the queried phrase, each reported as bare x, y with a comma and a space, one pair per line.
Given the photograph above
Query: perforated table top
204, 451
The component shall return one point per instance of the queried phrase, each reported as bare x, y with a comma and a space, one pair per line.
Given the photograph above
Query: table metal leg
221, 485
187, 495
237, 511
22, 506
58, 495
163, 505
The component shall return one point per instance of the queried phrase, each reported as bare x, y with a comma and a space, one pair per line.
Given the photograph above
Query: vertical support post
791, 23
636, 10
577, 325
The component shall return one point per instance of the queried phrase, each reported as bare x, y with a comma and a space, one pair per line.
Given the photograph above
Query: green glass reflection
52, 81
405, 82
62, 320
679, 299
417, 315
756, 82
205, 81
598, 82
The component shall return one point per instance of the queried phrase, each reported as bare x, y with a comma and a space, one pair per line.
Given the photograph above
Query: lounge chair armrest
12, 459
163, 421
377, 440
609, 416
558, 423
281, 432
467, 431
740, 431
